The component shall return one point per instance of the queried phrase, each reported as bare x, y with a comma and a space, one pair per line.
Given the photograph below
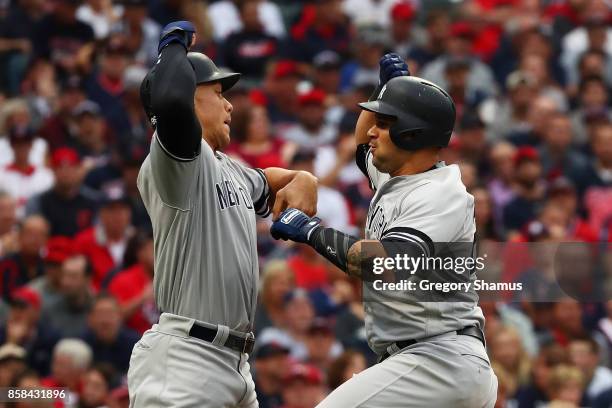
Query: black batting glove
180, 32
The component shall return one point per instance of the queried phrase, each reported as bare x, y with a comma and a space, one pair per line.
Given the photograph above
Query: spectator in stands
483, 212
140, 31
321, 26
253, 142
277, 281
8, 224
365, 12
506, 349
249, 49
402, 15
280, 90
528, 189
271, 364
128, 120
303, 386
48, 286
24, 328
71, 360
344, 367
12, 362
109, 340
567, 321
437, 27
105, 86
565, 386
104, 244
312, 131
299, 315
598, 172
541, 109
21, 179
60, 37
536, 392
326, 72
97, 384
101, 15
68, 314
20, 267
91, 136
16, 37
584, 354
556, 153
507, 115
458, 45
593, 99
225, 18
537, 66
133, 287
56, 129
17, 113
321, 344
369, 47
471, 140
69, 206
563, 195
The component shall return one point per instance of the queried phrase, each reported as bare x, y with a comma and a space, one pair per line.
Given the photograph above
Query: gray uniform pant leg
450, 372
171, 370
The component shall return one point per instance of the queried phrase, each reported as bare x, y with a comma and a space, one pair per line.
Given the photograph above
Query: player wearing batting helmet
429, 342
203, 206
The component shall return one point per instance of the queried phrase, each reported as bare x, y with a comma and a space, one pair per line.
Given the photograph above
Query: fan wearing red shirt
133, 287
252, 141
105, 243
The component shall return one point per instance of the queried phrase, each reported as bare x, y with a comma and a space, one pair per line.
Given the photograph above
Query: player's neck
416, 164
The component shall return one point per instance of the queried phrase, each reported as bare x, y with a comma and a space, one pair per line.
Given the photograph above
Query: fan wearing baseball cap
69, 206
20, 178
528, 189
311, 131
24, 328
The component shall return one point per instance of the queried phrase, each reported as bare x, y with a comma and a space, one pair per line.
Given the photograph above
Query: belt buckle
249, 343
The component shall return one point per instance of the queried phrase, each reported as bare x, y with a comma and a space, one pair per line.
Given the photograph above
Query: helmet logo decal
382, 91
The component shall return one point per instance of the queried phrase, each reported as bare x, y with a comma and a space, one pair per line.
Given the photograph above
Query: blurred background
531, 81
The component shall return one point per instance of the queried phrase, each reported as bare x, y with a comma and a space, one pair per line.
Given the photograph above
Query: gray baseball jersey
203, 214
425, 208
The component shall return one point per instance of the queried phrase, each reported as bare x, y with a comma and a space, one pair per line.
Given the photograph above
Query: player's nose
228, 106
372, 132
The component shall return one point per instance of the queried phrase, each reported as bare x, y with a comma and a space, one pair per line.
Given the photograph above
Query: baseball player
431, 353
202, 206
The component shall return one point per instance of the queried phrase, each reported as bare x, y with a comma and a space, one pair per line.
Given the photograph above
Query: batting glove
177, 32
391, 66
294, 225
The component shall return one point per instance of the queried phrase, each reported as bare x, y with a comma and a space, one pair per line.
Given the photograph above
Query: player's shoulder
439, 186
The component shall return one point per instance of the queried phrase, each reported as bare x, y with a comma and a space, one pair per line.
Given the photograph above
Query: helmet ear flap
408, 139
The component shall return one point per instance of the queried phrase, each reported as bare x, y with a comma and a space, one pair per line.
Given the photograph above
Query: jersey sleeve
174, 178
363, 159
257, 186
425, 219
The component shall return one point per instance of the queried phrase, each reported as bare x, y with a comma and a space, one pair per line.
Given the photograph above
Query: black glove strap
332, 245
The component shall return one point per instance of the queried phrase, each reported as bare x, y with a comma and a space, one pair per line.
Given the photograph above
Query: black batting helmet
205, 72
424, 113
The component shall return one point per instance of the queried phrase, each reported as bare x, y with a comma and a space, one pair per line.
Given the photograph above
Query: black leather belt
472, 331
241, 344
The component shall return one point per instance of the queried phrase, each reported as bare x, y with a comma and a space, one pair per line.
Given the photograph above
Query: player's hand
294, 225
181, 32
391, 66
300, 193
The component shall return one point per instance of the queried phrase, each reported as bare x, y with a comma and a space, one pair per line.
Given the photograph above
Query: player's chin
224, 136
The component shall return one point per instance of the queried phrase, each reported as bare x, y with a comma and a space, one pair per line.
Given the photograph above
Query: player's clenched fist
300, 193
181, 32
391, 66
294, 225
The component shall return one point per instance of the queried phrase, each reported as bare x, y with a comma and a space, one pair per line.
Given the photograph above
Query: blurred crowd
531, 80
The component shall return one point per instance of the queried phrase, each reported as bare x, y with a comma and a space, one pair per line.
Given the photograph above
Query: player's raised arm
391, 66
167, 93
